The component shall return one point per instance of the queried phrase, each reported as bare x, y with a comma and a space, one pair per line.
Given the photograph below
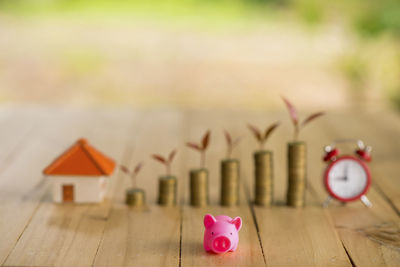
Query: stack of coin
199, 187
296, 174
167, 191
263, 173
135, 197
229, 182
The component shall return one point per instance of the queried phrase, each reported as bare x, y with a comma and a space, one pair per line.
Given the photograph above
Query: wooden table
36, 232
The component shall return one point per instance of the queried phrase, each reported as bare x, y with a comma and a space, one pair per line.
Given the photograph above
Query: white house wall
86, 189
103, 183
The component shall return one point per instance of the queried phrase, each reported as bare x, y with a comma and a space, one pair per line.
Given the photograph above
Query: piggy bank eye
212, 233
231, 233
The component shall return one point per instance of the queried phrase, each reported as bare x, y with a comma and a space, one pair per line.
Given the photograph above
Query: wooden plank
384, 167
22, 137
383, 138
151, 236
66, 235
388, 183
140, 238
16, 124
249, 252
290, 236
352, 219
70, 235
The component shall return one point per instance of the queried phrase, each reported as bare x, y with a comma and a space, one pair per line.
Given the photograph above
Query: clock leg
366, 201
326, 202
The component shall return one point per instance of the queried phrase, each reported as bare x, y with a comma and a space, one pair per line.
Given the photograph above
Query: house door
68, 193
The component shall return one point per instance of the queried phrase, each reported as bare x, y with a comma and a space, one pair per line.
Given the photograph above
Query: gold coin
263, 173
135, 197
199, 187
167, 191
229, 182
296, 174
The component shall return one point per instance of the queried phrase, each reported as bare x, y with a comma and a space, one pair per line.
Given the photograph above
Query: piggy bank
221, 233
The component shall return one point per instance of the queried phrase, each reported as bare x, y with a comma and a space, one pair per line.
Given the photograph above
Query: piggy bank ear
209, 220
237, 221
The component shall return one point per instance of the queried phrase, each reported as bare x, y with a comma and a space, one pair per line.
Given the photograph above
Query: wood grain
37, 232
149, 236
306, 236
249, 252
21, 183
67, 235
384, 165
350, 218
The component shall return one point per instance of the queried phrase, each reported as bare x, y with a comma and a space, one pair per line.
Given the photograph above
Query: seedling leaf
292, 111
159, 158
228, 138
236, 141
206, 139
172, 155
311, 118
124, 169
255, 131
270, 130
194, 146
138, 168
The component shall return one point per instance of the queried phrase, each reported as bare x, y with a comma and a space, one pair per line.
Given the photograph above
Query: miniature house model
79, 175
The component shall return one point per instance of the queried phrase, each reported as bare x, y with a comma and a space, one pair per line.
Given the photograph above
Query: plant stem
203, 159
296, 133
134, 181
168, 169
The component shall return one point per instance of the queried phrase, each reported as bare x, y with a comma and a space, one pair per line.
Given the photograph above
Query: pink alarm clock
221, 233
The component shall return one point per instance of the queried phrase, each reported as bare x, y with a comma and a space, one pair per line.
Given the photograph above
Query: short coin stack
167, 191
229, 182
296, 174
263, 173
135, 197
199, 187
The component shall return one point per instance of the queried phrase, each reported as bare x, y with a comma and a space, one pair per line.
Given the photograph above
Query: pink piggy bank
221, 233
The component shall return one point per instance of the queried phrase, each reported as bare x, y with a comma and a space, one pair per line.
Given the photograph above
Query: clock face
347, 178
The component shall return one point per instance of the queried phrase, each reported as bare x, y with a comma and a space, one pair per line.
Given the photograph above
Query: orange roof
81, 159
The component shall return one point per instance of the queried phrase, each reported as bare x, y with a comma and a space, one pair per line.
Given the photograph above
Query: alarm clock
347, 177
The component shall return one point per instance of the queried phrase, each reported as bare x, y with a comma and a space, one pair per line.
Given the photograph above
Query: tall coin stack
296, 174
167, 191
199, 187
229, 182
263, 173
135, 197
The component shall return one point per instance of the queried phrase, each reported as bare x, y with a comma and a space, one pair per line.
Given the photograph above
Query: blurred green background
200, 54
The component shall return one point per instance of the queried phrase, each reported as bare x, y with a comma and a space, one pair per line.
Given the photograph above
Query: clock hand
346, 172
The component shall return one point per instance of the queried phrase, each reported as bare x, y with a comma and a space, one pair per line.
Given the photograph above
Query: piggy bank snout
221, 244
